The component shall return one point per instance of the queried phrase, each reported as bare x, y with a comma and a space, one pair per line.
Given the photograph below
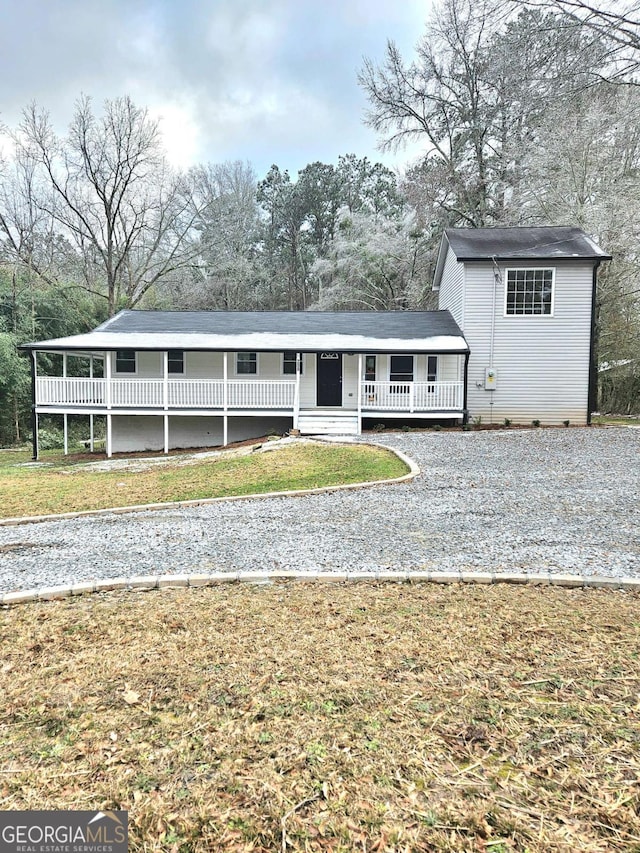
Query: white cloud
231, 79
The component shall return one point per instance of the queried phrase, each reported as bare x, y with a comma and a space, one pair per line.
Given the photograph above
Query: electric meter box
490, 378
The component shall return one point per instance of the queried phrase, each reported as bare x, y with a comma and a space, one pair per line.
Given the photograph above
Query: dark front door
329, 379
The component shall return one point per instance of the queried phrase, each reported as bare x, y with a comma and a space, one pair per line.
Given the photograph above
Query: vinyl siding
542, 362
452, 290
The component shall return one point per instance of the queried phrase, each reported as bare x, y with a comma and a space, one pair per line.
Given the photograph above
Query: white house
170, 379
513, 339
525, 299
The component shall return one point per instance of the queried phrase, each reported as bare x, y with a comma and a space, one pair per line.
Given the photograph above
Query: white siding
542, 362
451, 295
350, 381
308, 381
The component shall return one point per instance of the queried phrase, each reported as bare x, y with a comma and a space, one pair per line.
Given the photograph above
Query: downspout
465, 410
592, 397
34, 413
496, 279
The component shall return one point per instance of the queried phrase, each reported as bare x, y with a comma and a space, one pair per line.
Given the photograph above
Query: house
525, 299
166, 379
513, 338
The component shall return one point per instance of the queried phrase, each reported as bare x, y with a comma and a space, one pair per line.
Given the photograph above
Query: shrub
535, 422
507, 422
377, 428
566, 423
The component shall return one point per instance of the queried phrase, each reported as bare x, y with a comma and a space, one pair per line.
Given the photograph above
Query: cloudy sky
269, 81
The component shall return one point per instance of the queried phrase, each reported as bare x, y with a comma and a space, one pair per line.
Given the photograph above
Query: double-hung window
370, 368
125, 361
401, 368
175, 361
289, 363
246, 363
529, 292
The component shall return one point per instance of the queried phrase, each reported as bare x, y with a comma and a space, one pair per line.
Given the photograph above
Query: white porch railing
241, 394
149, 393
71, 391
412, 396
249, 394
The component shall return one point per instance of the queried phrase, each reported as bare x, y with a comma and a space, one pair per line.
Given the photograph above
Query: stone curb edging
149, 582
414, 470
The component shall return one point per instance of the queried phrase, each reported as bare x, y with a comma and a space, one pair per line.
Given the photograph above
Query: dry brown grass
311, 717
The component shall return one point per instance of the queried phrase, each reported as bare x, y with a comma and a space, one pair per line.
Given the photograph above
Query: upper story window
125, 361
529, 292
289, 362
246, 362
175, 361
401, 368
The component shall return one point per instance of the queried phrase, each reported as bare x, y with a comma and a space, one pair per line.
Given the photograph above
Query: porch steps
328, 423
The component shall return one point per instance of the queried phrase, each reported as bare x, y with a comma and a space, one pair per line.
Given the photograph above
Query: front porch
256, 398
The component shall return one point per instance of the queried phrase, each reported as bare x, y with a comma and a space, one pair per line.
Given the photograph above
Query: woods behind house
526, 113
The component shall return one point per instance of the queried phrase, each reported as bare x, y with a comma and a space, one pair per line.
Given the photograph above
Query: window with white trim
125, 361
529, 292
175, 361
401, 368
370, 368
289, 362
432, 368
246, 363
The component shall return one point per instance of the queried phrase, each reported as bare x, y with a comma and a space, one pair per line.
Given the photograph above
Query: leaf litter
331, 717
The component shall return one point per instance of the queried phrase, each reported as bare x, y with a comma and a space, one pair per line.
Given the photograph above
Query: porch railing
412, 396
149, 393
241, 394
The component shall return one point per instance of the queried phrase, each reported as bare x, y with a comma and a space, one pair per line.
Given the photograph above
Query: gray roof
372, 324
544, 243
263, 331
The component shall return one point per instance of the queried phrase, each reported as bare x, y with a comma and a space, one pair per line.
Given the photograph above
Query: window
370, 368
175, 361
529, 292
401, 368
289, 362
246, 363
125, 361
432, 370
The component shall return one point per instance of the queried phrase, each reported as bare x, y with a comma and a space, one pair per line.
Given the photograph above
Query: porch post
91, 432
465, 411
225, 400
107, 390
165, 398
296, 398
64, 417
360, 388
34, 410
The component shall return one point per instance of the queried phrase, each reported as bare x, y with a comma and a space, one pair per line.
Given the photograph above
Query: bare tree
615, 22
110, 192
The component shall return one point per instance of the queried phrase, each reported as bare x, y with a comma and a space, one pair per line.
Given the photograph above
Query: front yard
310, 717
68, 484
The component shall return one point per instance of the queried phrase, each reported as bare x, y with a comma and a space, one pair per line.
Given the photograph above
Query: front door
329, 379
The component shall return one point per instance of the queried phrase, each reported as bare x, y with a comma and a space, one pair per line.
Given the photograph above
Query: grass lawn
616, 420
65, 486
311, 717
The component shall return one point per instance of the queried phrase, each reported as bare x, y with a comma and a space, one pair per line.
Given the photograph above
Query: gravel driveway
560, 500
